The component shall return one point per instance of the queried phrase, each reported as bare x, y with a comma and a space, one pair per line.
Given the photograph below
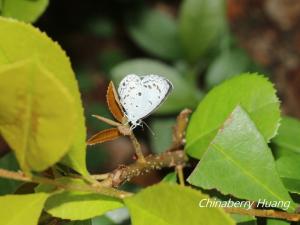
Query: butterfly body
141, 95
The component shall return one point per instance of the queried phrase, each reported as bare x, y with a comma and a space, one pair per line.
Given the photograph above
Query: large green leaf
288, 134
201, 22
254, 93
36, 117
79, 205
183, 94
21, 209
9, 162
288, 167
239, 162
52, 58
169, 204
156, 32
287, 151
228, 64
25, 10
76, 205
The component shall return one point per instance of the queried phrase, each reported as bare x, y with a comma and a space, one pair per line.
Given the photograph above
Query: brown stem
14, 175
137, 148
152, 162
167, 159
100, 176
179, 129
75, 187
265, 213
179, 170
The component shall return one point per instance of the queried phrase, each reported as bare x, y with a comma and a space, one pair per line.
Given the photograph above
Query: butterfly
141, 95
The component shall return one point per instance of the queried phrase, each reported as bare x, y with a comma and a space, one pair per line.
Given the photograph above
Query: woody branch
173, 157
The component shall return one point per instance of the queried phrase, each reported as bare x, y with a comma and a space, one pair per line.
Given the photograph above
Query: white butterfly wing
127, 92
156, 89
140, 96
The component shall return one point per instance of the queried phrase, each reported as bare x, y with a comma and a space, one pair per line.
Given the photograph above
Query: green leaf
80, 205
254, 93
240, 151
21, 209
162, 138
52, 58
9, 162
80, 222
200, 24
293, 185
287, 146
156, 32
102, 220
171, 204
288, 134
30, 121
271, 221
288, 167
76, 205
170, 178
25, 10
228, 64
244, 219
183, 95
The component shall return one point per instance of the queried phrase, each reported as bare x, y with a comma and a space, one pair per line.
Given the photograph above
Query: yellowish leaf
37, 116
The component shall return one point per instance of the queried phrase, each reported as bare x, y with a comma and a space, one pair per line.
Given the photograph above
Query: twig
152, 162
76, 187
179, 139
172, 157
137, 148
14, 175
180, 174
168, 159
265, 213
179, 129
100, 176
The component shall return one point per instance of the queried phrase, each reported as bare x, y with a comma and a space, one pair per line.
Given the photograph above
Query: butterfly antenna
152, 132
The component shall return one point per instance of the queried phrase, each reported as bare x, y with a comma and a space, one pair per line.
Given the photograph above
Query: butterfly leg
133, 126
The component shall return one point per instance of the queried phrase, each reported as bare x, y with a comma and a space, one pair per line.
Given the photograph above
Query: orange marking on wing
114, 104
104, 136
